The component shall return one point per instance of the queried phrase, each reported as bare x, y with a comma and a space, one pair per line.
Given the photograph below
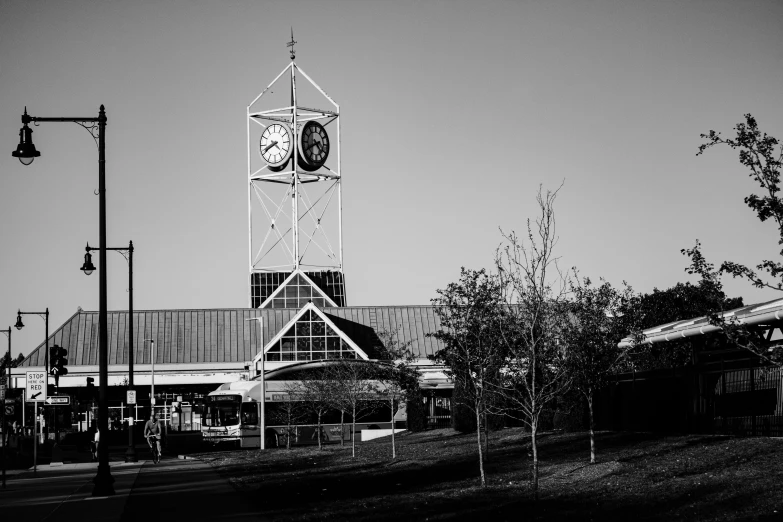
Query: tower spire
291, 44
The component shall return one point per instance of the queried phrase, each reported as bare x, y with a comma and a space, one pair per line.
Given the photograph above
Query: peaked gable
310, 335
297, 290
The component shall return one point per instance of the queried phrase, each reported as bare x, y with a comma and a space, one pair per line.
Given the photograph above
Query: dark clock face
313, 146
276, 144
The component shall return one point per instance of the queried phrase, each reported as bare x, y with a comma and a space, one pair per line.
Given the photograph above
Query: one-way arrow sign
58, 400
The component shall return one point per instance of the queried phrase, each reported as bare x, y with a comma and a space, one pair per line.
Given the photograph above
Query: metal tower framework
299, 228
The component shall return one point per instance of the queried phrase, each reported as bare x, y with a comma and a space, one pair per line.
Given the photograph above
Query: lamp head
19, 324
25, 151
88, 268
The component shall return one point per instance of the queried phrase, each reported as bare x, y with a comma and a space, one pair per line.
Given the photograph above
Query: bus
231, 415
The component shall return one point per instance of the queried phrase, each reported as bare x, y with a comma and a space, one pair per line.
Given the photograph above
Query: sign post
35, 387
35, 392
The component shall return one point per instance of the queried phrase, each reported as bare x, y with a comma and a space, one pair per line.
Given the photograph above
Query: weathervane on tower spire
291, 44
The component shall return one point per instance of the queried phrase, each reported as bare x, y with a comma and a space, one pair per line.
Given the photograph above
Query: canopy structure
766, 315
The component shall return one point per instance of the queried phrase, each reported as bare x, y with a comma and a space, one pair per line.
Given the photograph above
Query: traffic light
58, 358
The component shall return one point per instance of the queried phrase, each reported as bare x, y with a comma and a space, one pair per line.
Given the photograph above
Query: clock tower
294, 194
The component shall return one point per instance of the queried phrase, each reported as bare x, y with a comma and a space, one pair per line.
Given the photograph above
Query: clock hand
269, 147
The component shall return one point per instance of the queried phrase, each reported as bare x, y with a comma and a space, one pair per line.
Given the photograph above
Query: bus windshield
222, 410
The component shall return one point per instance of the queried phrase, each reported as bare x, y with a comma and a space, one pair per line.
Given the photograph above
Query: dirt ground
637, 476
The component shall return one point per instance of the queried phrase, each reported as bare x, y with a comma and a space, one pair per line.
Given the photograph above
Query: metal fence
714, 398
749, 402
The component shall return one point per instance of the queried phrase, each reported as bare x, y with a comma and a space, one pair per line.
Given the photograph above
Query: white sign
35, 387
131, 397
58, 399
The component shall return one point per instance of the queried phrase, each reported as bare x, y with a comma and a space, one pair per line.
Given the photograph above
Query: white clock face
275, 145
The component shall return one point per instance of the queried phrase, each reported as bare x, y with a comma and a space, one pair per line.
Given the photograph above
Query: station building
186, 354
297, 310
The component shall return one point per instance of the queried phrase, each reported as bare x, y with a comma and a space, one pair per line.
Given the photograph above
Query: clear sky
453, 114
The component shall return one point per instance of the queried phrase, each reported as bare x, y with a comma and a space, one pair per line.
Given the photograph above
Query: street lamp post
88, 268
262, 405
152, 359
26, 152
19, 325
7, 387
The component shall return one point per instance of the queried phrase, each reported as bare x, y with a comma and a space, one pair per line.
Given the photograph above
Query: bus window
249, 412
221, 410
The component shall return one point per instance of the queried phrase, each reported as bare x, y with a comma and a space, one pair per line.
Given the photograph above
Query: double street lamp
88, 268
26, 152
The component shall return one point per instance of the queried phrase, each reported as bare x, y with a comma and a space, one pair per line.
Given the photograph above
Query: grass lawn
637, 476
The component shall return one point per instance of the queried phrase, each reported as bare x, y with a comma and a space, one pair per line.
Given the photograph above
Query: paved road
172, 490
184, 490
65, 493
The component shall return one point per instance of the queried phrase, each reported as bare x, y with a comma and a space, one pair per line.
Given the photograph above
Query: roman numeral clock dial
313, 146
275, 146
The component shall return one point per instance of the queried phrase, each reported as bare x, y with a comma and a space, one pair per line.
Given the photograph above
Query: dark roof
227, 335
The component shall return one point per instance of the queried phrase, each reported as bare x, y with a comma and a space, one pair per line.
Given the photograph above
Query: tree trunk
394, 449
592, 430
481, 455
353, 433
342, 427
486, 438
318, 431
533, 430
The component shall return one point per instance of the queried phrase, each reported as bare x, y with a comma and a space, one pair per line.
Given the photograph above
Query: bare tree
290, 411
354, 390
469, 313
534, 292
317, 396
399, 379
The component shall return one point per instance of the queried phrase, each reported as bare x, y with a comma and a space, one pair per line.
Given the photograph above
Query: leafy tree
599, 318
469, 312
533, 291
682, 301
762, 155
9, 362
354, 390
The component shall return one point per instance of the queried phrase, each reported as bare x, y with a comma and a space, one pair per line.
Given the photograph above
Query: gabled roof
310, 307
280, 289
755, 314
229, 335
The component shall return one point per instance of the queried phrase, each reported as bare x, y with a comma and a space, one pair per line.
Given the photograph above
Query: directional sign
35, 387
58, 400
